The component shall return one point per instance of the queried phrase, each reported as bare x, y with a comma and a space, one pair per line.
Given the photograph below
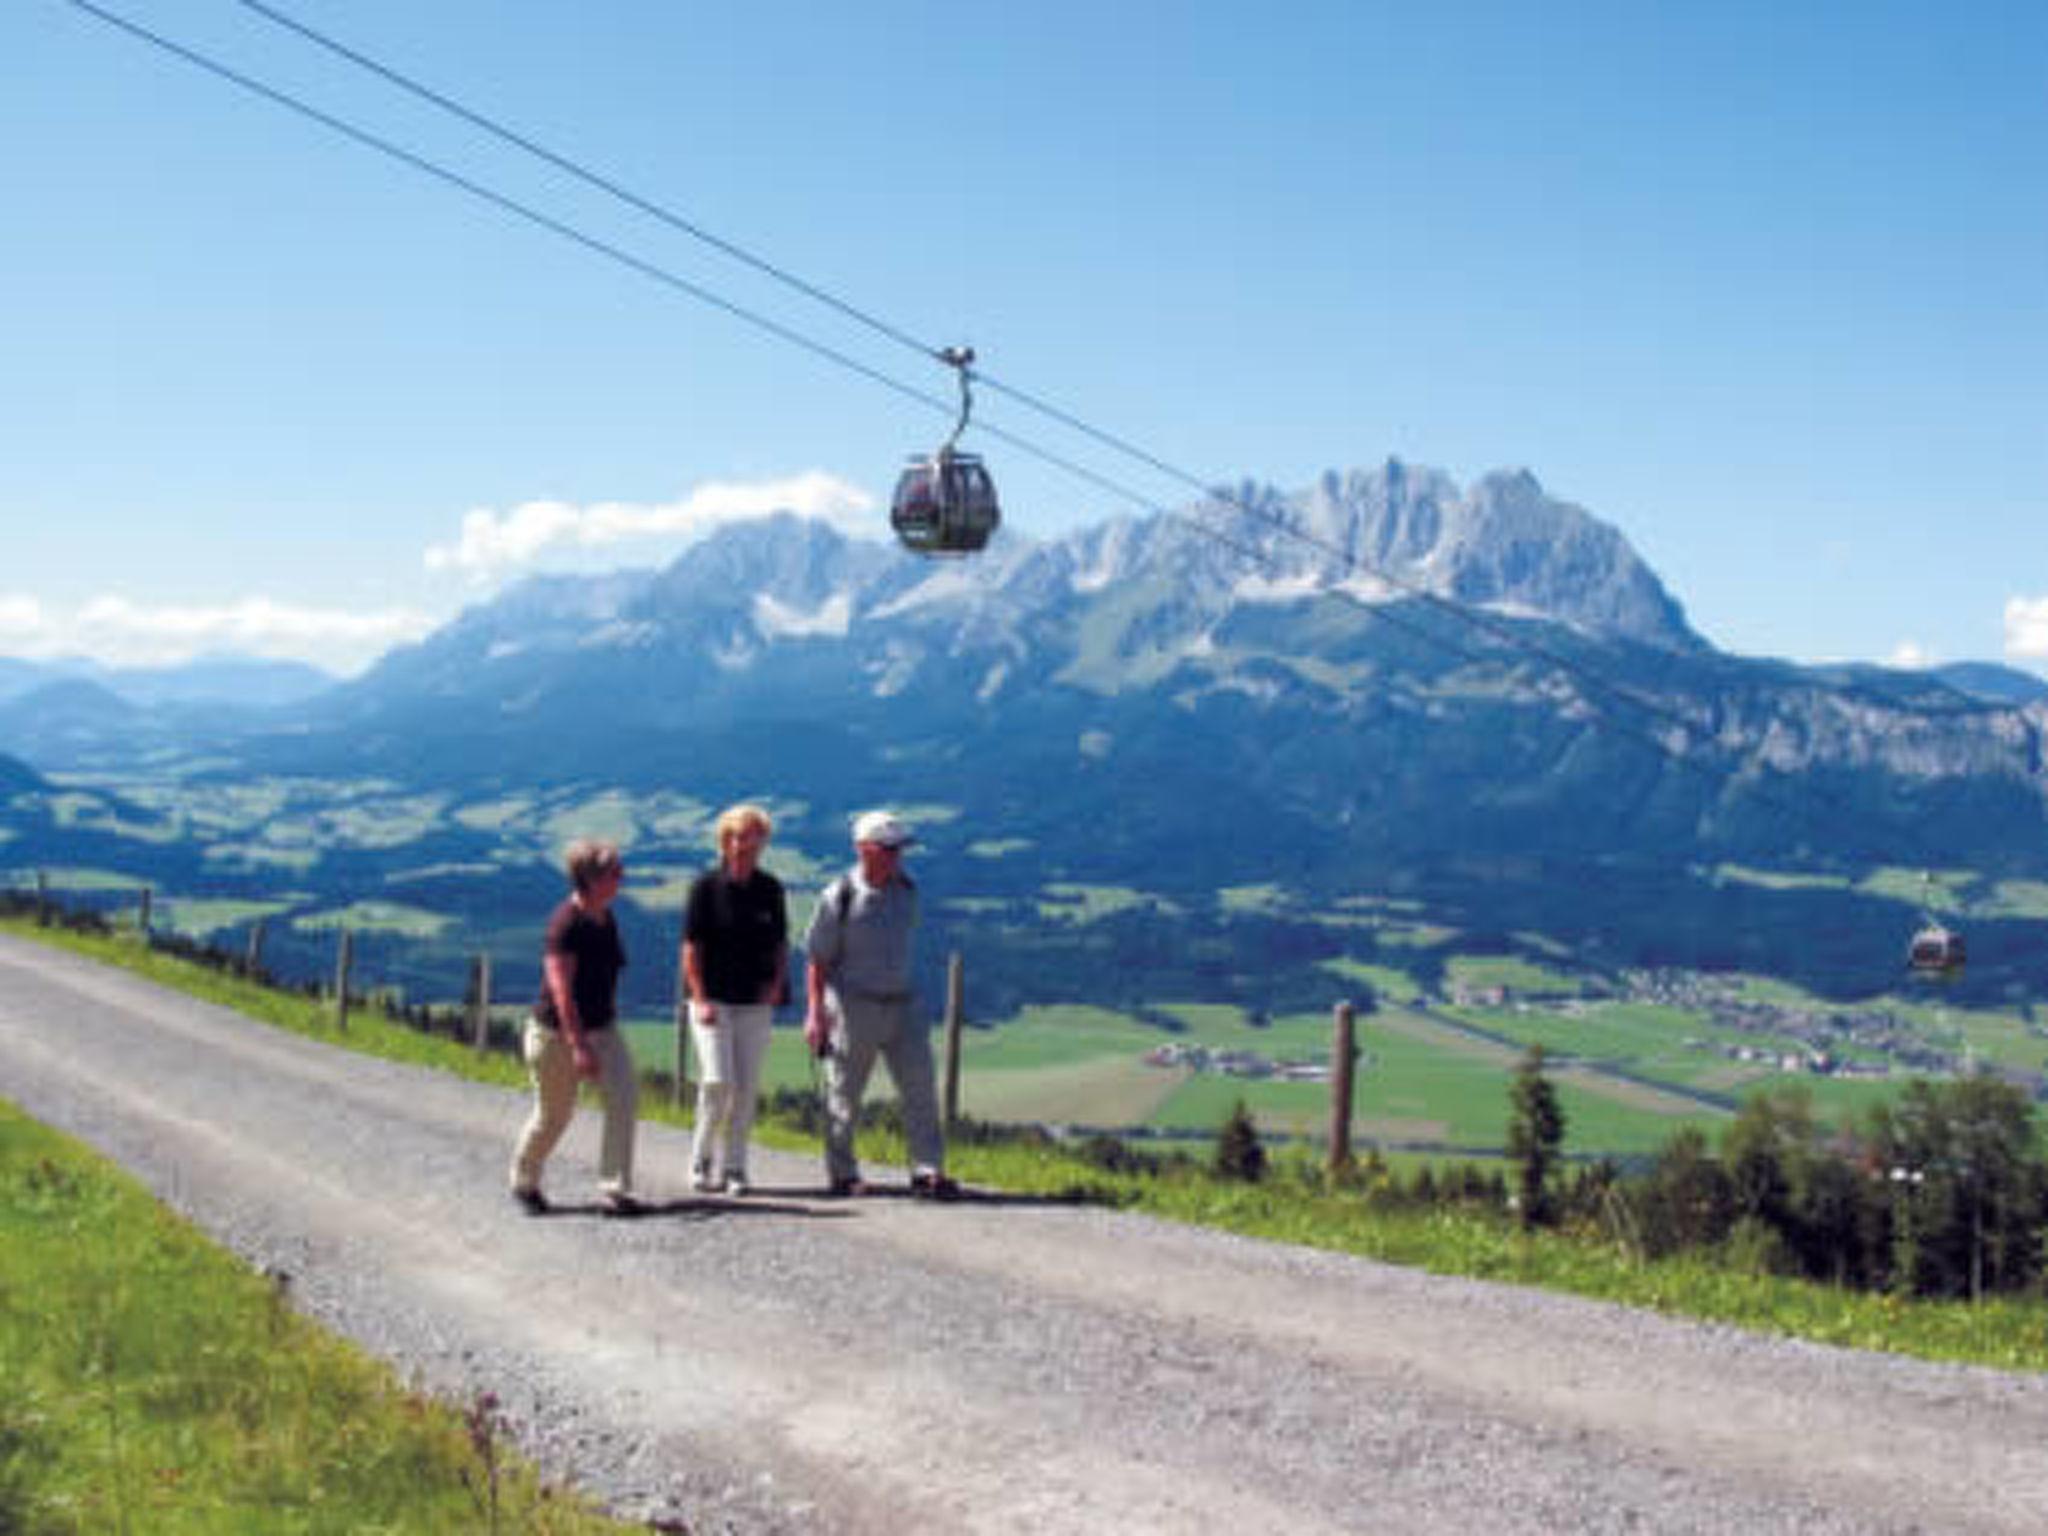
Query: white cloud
1910, 656
19, 615
492, 542
120, 632
2026, 628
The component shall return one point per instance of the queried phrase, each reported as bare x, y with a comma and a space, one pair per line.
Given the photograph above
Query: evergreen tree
1535, 1136
1239, 1153
1966, 1186
1687, 1200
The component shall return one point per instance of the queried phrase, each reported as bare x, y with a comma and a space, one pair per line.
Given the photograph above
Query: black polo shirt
740, 929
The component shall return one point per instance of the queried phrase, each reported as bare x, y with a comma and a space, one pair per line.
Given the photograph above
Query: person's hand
817, 1033
586, 1059
705, 1013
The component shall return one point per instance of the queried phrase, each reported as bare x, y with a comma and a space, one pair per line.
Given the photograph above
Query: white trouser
729, 1055
552, 1066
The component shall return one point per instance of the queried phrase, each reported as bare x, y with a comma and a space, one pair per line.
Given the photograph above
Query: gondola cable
926, 479
1286, 527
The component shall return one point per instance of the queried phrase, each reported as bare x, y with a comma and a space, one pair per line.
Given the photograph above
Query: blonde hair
589, 859
734, 821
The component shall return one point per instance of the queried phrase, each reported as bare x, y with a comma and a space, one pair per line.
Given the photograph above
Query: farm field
1420, 1085
1429, 1080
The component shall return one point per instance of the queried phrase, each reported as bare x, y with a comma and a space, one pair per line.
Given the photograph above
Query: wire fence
435, 990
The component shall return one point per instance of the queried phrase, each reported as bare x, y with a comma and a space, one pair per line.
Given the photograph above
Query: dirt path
787, 1363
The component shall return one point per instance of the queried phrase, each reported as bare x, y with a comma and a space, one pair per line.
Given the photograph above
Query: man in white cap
862, 1002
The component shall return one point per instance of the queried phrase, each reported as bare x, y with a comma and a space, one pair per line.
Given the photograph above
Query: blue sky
1765, 286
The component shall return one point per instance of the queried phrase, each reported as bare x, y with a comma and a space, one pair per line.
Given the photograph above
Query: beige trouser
729, 1056
552, 1066
889, 1028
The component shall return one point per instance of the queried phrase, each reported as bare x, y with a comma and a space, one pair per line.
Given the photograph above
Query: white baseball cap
882, 829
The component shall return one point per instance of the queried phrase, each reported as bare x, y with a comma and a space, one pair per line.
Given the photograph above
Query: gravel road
788, 1363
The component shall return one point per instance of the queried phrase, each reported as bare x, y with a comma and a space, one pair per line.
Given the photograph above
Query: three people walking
860, 1005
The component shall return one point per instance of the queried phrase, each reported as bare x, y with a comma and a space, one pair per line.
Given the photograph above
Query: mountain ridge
1180, 703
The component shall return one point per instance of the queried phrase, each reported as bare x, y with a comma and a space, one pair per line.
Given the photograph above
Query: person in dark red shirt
572, 1035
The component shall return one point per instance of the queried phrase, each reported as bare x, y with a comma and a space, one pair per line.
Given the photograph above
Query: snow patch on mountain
775, 620
1278, 589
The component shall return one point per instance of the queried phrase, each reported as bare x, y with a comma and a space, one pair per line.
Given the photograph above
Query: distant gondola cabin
1936, 951
945, 504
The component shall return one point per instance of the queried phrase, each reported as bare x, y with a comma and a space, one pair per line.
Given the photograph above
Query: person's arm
821, 946
704, 1008
777, 991
560, 970
817, 1020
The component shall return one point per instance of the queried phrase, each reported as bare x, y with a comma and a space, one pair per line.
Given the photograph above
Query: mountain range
1382, 689
216, 679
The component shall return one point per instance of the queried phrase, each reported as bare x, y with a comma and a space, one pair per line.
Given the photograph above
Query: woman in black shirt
734, 964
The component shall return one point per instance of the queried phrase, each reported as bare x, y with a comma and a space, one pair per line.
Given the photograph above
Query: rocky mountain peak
1507, 543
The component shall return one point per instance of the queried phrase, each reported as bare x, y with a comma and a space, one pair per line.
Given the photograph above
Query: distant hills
16, 777
1382, 688
1993, 683
234, 680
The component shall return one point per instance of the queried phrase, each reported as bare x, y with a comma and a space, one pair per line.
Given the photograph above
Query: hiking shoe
736, 1185
850, 1188
701, 1179
618, 1203
930, 1184
531, 1201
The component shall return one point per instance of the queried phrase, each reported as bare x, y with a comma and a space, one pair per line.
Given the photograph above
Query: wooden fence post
956, 1009
343, 961
1343, 1056
142, 923
252, 961
42, 898
480, 1006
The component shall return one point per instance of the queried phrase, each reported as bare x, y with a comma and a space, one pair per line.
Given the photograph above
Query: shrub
1239, 1153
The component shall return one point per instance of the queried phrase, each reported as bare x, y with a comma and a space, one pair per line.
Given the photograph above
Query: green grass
2015, 898
1061, 902
1939, 890
61, 878
202, 916
367, 1031
1777, 880
1506, 971
1297, 1204
155, 1384
376, 917
1389, 985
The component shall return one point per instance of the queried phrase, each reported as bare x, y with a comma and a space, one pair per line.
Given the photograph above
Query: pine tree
1239, 1154
1535, 1136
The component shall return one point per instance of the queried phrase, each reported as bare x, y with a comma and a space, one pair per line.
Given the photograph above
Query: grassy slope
153, 1383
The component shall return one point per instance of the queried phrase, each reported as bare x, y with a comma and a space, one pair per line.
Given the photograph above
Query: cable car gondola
1937, 951
945, 502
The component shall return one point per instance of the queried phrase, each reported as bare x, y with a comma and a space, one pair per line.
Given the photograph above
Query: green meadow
154, 1383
